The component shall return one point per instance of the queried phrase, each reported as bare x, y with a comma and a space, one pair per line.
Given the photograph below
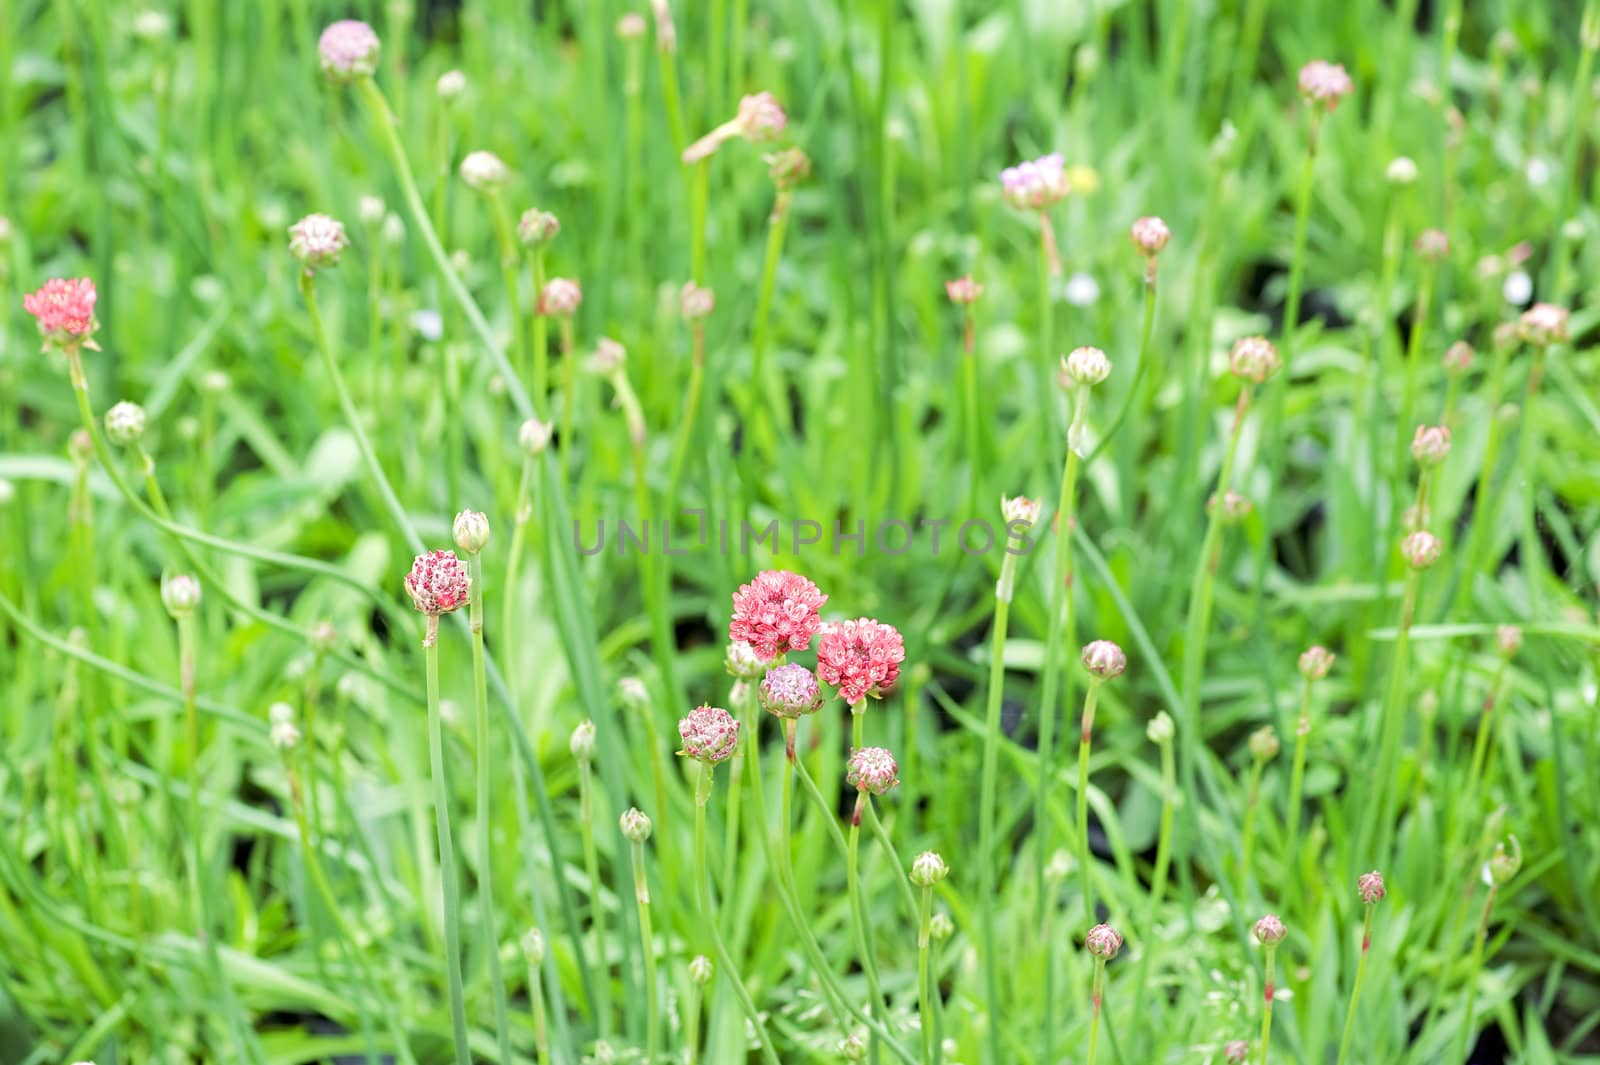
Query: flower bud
710, 734
1232, 508
581, 742
1104, 660
1270, 930
853, 1048
940, 927
1504, 864
1085, 366
1507, 640
534, 436
451, 86
635, 825
1236, 1050
1264, 744
323, 637
537, 228
180, 594
485, 171
1253, 359
700, 970
471, 531
1421, 549
1543, 324
125, 423
317, 241
873, 770
789, 691
1324, 84
348, 50
761, 118
789, 167
370, 210
742, 661
695, 302
533, 947
1430, 446
927, 869
1401, 171
1021, 510
1457, 358
1315, 662
1150, 235
963, 291
560, 297
1103, 942
1433, 245
609, 356
1370, 887
631, 27
1160, 730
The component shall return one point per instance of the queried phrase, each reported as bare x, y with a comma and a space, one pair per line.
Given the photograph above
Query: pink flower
861, 658
710, 734
1370, 887
761, 117
776, 613
349, 50
1543, 324
1150, 235
317, 240
790, 690
437, 582
872, 769
1035, 184
1270, 930
1103, 941
963, 290
560, 297
65, 311
1325, 83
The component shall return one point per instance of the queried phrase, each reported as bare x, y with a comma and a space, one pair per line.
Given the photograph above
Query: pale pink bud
537, 228
1457, 358
180, 594
927, 869
1543, 324
788, 167
560, 297
696, 302
1104, 660
1037, 183
437, 583
1325, 83
1315, 662
1103, 942
471, 531
1370, 887
317, 240
1253, 359
1232, 508
761, 117
1507, 640
484, 171
1430, 445
710, 734
1236, 1051
1085, 366
631, 27
963, 290
1270, 930
1421, 549
1019, 510
348, 50
789, 691
609, 356
873, 770
1150, 235
1433, 245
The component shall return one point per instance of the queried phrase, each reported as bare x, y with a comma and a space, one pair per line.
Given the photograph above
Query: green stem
486, 849
1086, 730
1158, 877
858, 912
541, 1034
504, 233
1355, 994
1474, 967
1094, 1000
597, 915
447, 853
1247, 844
539, 324
1266, 1008
924, 978
1145, 328
569, 395
768, 398
1302, 218
986, 800
1302, 736
1375, 835
641, 896
1483, 516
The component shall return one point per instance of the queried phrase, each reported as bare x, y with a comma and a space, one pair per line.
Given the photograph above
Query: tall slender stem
1266, 1007
447, 852
1086, 730
1355, 994
1375, 834
641, 897
1474, 967
924, 977
1095, 996
597, 914
858, 914
1302, 735
986, 800
486, 848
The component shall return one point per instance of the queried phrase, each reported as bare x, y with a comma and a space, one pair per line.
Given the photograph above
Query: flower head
180, 594
790, 690
470, 531
349, 50
710, 734
560, 297
861, 658
1103, 942
1543, 324
451, 86
437, 583
853, 1048
282, 731
1421, 549
534, 436
537, 228
635, 825
1370, 887
317, 240
775, 613
64, 309
1085, 366
1160, 730
1457, 358
1325, 83
761, 118
1264, 744
1036, 183
533, 947
1430, 445
371, 210
125, 423
581, 742
696, 302
787, 167
1433, 245
940, 927
1019, 510
741, 661
1270, 930
1149, 235
700, 970
872, 769
1253, 359
1315, 662
963, 291
1505, 864
484, 171
1507, 640
927, 869
634, 695
1104, 660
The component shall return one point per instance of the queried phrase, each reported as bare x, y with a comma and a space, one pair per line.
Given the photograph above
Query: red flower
776, 613
860, 658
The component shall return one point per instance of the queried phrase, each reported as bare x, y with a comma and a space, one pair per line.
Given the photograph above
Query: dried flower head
180, 594
1149, 235
1037, 183
1253, 359
1543, 324
1457, 358
927, 869
471, 531
1430, 445
560, 297
789, 691
484, 171
872, 769
1085, 366
451, 86
64, 310
1264, 744
787, 167
317, 241
437, 583
581, 742
1160, 730
348, 50
635, 825
1507, 640
1370, 887
1232, 508
125, 423
696, 302
761, 118
537, 228
534, 436
775, 613
963, 291
1401, 171
1104, 660
710, 734
861, 658
1103, 942
1270, 930
1325, 83
1421, 549
1315, 662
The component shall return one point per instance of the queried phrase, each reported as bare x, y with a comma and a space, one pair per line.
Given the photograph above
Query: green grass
829, 385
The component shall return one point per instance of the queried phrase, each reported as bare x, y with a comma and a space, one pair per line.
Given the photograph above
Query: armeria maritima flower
1103, 941
348, 50
560, 297
317, 240
710, 734
1253, 359
761, 118
1085, 366
861, 658
1325, 83
963, 291
1037, 183
776, 613
1543, 324
790, 690
1315, 662
64, 309
1149, 235
1104, 660
484, 171
438, 583
1430, 445
1270, 930
537, 228
1370, 887
872, 769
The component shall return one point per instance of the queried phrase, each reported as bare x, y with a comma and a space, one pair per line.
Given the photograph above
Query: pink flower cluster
1035, 184
348, 50
776, 613
65, 310
1325, 83
861, 658
710, 734
438, 582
